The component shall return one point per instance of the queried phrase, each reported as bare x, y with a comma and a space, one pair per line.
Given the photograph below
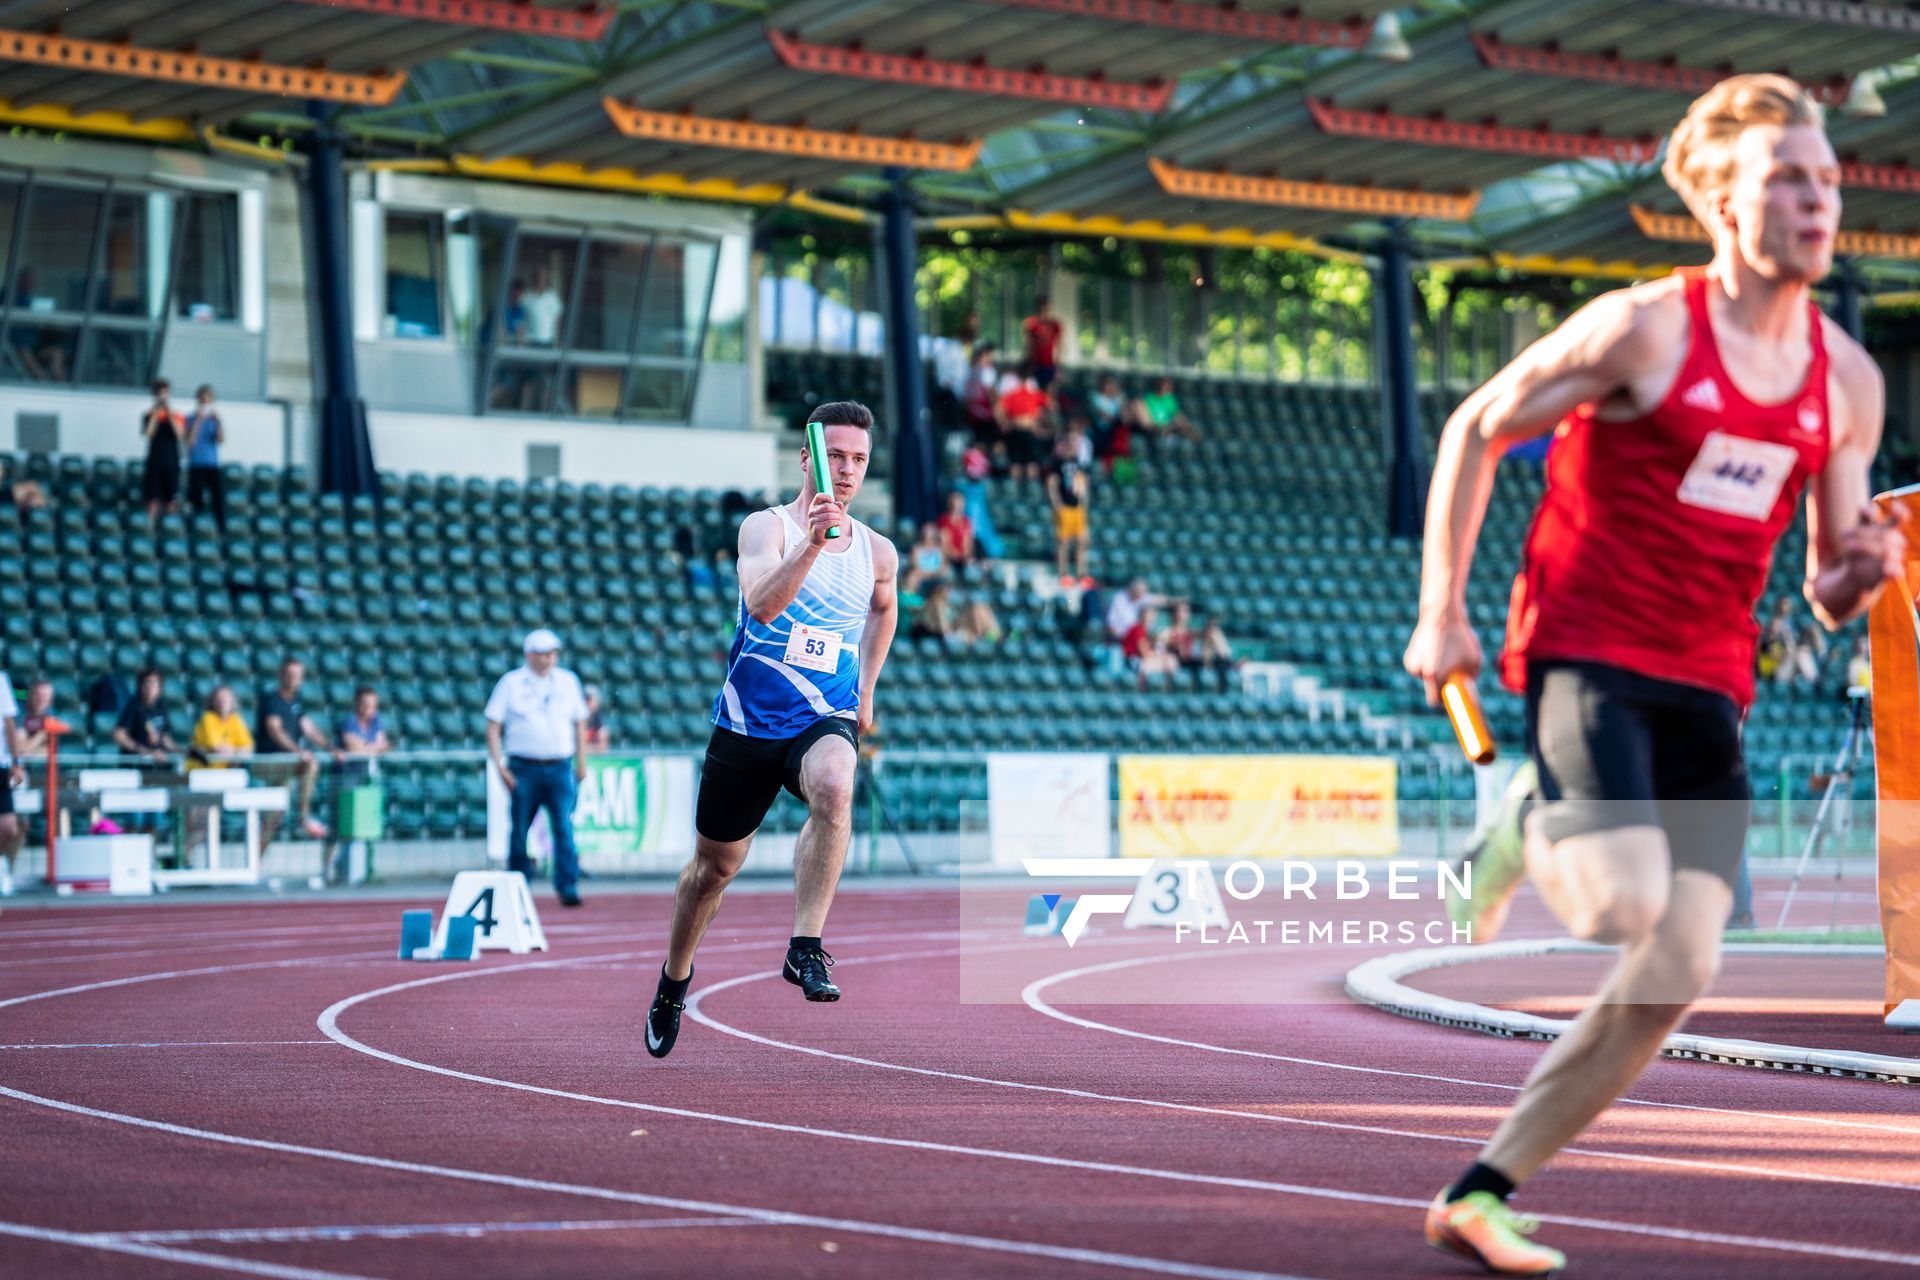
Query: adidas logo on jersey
1704, 394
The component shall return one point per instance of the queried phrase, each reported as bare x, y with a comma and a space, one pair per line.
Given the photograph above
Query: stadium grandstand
514, 311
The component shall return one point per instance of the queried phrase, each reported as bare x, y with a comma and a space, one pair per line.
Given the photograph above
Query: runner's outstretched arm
1851, 554
1584, 361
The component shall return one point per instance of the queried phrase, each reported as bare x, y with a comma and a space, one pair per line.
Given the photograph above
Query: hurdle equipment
502, 910
416, 934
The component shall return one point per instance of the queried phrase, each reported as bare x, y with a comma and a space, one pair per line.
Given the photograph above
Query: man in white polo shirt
536, 736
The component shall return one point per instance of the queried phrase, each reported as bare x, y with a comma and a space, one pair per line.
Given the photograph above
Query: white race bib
814, 648
1737, 475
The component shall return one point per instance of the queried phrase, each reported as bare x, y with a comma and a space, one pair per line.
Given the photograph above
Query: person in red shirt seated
956, 532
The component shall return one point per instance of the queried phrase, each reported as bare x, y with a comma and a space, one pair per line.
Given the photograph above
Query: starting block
416, 937
1046, 913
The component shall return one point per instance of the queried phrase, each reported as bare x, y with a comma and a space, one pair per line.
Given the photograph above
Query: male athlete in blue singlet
816, 617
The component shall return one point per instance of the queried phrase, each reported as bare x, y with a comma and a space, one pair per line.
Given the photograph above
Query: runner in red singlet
1689, 415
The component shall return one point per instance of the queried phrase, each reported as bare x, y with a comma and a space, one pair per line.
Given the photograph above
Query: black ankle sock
675, 987
803, 944
1480, 1177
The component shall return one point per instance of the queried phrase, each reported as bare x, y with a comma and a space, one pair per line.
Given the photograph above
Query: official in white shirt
536, 736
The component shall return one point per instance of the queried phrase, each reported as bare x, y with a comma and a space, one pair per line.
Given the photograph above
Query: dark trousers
204, 490
545, 785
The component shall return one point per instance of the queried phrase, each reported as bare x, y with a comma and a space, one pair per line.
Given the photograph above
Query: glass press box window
93, 272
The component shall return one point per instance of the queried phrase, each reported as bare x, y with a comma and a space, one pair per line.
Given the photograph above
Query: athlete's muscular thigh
826, 778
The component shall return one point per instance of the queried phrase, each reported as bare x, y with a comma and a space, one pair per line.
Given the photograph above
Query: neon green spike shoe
1483, 1228
1495, 862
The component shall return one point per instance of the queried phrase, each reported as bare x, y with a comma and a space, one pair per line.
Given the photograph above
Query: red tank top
1652, 544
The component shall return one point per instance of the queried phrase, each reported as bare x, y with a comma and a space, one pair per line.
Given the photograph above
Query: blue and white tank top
784, 675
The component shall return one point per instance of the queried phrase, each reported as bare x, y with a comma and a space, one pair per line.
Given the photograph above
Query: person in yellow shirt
220, 734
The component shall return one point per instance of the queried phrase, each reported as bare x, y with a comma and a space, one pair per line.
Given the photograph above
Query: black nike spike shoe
663, 1019
808, 970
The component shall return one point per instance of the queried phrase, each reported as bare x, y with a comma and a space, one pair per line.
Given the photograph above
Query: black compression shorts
741, 776
1618, 749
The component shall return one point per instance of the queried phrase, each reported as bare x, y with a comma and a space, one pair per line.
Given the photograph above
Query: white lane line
697, 1013
1031, 997
164, 1044
217, 1261
1024, 1248
328, 1023
406, 1230
209, 970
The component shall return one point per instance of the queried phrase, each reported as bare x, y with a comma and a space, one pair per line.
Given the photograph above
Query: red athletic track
471, 1164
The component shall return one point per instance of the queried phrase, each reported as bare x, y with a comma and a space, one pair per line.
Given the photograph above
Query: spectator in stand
927, 563
978, 625
363, 731
975, 468
1773, 659
35, 737
1143, 650
221, 735
160, 480
1023, 414
1860, 667
1179, 639
12, 778
597, 737
957, 542
934, 619
145, 730
25, 495
1125, 609
1163, 415
1107, 411
1043, 344
1216, 652
977, 397
1068, 493
205, 435
1809, 654
287, 729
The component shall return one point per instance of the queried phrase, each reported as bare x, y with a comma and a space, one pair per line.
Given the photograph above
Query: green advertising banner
633, 813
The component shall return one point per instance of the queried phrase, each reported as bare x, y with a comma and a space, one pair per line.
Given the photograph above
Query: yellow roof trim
116, 124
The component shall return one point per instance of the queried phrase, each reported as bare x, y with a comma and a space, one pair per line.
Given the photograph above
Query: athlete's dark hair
843, 413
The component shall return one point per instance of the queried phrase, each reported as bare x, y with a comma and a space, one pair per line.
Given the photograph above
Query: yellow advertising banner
1258, 807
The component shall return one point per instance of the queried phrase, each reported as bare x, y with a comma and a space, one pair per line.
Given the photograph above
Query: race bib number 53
1737, 475
814, 648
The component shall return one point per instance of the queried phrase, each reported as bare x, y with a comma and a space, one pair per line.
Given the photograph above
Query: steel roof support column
346, 449
1393, 294
916, 490
1846, 297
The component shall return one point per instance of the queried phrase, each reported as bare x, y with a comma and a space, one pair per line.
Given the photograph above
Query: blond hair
1700, 153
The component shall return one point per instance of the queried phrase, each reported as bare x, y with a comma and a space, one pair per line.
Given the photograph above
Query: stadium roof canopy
1522, 131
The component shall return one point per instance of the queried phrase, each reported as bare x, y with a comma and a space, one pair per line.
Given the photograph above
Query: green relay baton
817, 455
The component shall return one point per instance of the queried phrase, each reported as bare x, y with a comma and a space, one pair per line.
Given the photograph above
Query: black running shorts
1618, 749
742, 775
6, 789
